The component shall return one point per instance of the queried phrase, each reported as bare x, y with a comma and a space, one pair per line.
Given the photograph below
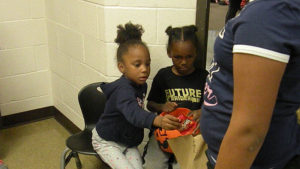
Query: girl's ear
121, 67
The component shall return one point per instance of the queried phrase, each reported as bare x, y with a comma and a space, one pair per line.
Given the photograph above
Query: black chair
92, 103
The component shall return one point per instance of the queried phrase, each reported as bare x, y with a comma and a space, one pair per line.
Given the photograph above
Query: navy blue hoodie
124, 118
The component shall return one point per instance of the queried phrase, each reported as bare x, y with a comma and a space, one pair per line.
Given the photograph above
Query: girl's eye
137, 65
177, 57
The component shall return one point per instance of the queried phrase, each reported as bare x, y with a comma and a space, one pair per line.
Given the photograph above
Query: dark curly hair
185, 33
128, 36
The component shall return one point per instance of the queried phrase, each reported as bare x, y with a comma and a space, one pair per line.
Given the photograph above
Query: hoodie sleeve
127, 104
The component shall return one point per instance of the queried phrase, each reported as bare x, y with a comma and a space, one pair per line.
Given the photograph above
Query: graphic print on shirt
183, 94
210, 99
221, 33
141, 101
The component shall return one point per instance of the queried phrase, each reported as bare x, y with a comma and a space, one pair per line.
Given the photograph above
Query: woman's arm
256, 84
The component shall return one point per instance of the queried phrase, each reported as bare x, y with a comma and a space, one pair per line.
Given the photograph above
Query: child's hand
170, 122
195, 114
196, 130
167, 122
169, 106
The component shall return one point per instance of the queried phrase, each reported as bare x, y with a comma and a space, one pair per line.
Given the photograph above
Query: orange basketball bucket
163, 135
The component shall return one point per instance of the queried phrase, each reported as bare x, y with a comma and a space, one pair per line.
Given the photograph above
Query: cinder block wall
24, 61
50, 49
81, 35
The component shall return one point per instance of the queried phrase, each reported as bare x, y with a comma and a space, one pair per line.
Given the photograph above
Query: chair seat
81, 142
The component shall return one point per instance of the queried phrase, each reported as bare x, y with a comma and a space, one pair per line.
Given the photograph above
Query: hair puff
129, 32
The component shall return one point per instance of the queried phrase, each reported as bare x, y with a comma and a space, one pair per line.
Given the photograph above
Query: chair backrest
92, 103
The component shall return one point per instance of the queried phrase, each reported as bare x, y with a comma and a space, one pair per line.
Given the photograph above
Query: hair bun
191, 28
169, 30
129, 32
184, 33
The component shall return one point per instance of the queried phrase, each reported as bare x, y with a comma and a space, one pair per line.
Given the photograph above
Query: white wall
81, 35
24, 61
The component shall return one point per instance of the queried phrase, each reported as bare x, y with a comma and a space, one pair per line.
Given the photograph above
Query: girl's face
136, 64
183, 55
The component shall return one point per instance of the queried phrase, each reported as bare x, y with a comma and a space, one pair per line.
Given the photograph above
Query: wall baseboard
37, 115
65, 122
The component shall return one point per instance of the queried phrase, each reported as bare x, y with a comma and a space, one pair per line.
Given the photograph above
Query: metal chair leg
78, 162
63, 158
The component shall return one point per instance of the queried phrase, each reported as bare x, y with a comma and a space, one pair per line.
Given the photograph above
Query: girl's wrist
160, 107
158, 121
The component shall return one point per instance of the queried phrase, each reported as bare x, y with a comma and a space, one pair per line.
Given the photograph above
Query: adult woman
253, 90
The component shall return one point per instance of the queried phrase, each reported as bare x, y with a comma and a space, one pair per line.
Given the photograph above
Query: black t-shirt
186, 91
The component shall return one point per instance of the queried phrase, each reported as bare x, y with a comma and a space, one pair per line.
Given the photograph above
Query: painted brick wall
24, 61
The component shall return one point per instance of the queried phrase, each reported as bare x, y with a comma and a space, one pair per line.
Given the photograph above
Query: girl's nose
143, 68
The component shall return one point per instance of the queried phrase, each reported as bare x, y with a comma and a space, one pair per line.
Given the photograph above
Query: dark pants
293, 164
209, 165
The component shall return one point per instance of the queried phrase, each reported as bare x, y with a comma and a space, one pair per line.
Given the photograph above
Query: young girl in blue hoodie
120, 128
